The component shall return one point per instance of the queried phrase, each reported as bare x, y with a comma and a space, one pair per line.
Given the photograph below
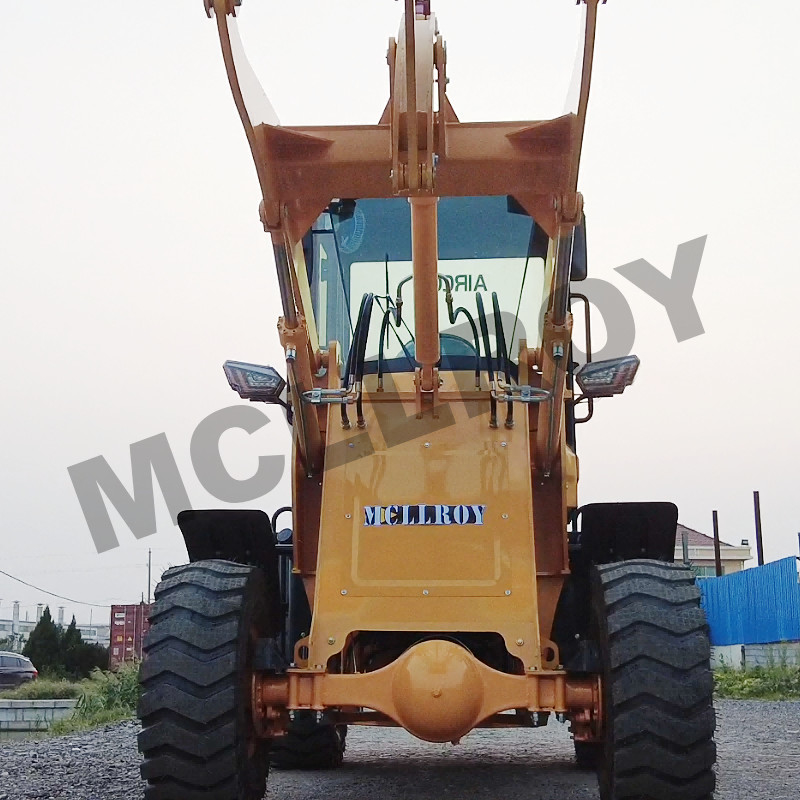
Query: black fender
610, 532
243, 536
240, 535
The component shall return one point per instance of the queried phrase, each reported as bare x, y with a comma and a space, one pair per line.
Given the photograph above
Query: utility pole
717, 555
149, 568
759, 540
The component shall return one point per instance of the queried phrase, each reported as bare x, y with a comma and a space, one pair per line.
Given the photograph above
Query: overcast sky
133, 262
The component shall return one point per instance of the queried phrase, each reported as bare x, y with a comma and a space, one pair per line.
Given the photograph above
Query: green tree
43, 647
89, 657
71, 647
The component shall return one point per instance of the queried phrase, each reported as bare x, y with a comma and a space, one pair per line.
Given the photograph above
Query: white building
701, 553
18, 630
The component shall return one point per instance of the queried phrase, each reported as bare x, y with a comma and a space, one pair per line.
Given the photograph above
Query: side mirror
342, 209
607, 378
580, 259
254, 382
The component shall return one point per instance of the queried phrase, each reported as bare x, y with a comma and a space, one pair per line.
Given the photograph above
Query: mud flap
609, 532
612, 532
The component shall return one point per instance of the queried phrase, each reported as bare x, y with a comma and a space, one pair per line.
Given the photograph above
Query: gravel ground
758, 744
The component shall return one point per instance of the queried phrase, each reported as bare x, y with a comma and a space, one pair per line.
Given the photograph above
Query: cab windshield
487, 245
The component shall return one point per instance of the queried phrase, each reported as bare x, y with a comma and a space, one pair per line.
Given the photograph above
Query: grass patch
77, 723
776, 682
45, 689
107, 697
103, 698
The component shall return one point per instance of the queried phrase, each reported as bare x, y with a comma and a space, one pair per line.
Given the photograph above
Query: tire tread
191, 680
659, 691
310, 745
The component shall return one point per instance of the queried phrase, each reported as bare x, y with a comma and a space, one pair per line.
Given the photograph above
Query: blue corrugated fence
756, 606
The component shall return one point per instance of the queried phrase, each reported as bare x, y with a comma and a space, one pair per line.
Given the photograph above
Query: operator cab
487, 246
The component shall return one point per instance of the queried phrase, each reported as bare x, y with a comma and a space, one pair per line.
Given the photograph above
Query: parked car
15, 670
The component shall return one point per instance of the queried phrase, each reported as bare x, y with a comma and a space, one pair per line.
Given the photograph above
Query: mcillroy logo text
376, 516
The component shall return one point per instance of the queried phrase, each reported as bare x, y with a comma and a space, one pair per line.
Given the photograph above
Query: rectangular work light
607, 378
254, 382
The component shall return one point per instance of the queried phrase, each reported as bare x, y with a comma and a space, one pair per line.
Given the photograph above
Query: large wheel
309, 744
588, 755
197, 735
657, 683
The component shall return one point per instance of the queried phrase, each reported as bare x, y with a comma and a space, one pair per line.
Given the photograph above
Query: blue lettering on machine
421, 514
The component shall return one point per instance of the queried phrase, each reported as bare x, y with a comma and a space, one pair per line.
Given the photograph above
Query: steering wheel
449, 345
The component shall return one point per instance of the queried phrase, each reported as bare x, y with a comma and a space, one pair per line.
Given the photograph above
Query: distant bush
110, 691
106, 697
775, 682
103, 698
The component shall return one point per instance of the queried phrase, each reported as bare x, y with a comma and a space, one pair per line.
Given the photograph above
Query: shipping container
129, 625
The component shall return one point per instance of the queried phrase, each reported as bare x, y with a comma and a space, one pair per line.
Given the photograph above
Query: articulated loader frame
487, 625
421, 150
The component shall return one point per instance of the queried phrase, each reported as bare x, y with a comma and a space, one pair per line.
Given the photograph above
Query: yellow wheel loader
438, 573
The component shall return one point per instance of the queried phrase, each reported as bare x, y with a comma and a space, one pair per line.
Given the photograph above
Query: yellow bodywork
486, 553
431, 577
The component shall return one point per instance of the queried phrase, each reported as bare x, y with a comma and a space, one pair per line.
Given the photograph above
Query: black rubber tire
309, 744
657, 683
197, 736
588, 755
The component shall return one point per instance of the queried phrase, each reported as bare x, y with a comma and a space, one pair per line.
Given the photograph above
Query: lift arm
415, 151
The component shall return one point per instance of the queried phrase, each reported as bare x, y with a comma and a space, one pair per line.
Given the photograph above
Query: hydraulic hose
349, 371
384, 325
363, 321
453, 316
502, 357
399, 301
476, 339
389, 314
488, 350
